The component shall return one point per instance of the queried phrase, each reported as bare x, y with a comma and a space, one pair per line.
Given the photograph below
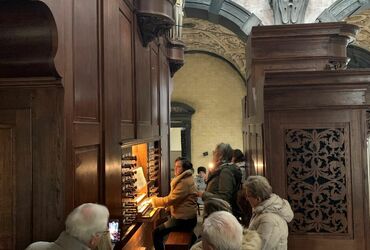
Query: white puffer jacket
251, 241
270, 220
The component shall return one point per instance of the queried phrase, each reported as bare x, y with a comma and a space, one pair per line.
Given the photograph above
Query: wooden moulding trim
302, 58
129, 143
334, 28
31, 82
28, 40
349, 78
156, 8
269, 108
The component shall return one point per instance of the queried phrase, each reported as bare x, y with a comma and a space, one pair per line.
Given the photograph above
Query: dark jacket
223, 184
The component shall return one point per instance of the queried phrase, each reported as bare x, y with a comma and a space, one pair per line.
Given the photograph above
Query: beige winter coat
270, 220
182, 199
251, 241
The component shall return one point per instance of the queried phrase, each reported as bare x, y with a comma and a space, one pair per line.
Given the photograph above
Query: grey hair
225, 151
258, 187
86, 221
222, 231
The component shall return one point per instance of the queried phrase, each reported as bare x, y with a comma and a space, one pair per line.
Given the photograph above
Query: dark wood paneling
86, 134
67, 139
86, 175
85, 60
164, 124
48, 161
112, 104
7, 188
126, 74
24, 178
154, 79
16, 179
143, 87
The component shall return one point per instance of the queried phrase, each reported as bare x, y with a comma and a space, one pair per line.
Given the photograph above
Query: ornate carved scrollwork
289, 11
155, 18
316, 180
28, 40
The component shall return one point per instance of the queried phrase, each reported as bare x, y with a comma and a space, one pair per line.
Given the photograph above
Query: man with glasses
85, 226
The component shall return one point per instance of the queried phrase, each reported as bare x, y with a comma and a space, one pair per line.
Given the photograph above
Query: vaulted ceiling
204, 36
221, 27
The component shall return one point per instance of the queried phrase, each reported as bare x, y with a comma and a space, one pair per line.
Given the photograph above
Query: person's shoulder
197, 246
42, 245
251, 240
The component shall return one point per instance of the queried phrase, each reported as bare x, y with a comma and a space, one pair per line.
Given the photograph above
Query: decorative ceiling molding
215, 39
225, 12
341, 9
363, 21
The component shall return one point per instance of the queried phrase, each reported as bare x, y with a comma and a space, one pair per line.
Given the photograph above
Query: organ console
140, 175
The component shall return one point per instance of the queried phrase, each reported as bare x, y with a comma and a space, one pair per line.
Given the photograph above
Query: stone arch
360, 58
224, 12
341, 9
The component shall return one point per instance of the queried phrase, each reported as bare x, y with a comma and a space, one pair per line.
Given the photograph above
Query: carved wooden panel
86, 175
85, 60
318, 175
126, 76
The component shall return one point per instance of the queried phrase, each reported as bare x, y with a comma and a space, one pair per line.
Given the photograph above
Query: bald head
86, 221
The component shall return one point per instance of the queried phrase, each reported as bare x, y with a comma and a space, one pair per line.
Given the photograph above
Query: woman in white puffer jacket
270, 213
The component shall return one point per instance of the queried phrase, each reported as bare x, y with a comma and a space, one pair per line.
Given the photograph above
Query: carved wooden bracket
155, 18
175, 55
28, 40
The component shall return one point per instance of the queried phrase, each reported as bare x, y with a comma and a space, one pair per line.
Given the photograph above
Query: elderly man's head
88, 223
222, 231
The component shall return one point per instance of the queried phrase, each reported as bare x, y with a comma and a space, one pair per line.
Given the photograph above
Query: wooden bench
178, 241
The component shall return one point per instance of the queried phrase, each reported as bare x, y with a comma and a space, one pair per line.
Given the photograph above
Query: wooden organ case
306, 131
83, 84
